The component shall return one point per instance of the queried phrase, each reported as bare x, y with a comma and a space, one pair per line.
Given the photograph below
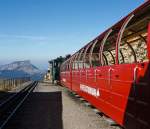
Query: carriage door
129, 75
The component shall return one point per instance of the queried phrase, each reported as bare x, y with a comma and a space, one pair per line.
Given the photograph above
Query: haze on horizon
40, 30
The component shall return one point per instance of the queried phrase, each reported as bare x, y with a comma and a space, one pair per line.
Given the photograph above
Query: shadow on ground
42, 110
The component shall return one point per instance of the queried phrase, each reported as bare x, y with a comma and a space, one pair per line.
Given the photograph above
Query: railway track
6, 96
11, 104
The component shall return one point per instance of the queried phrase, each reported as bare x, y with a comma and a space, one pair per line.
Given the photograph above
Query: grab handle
95, 75
134, 80
135, 75
109, 75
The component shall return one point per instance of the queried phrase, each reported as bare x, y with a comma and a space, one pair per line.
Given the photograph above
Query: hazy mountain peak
25, 62
21, 69
25, 66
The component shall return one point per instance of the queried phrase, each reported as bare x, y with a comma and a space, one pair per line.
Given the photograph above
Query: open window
64, 67
94, 53
75, 62
133, 41
71, 62
80, 58
86, 56
108, 47
68, 65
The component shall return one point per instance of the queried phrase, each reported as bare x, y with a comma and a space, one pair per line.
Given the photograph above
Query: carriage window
67, 67
109, 58
126, 54
64, 66
80, 59
94, 57
140, 48
109, 49
86, 56
74, 63
69, 64
134, 40
105, 62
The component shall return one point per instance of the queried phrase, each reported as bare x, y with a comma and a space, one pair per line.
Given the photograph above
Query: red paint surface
119, 94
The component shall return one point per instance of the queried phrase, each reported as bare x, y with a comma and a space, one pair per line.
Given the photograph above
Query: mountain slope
20, 69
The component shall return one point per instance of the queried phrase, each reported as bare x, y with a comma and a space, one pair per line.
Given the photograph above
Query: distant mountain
21, 69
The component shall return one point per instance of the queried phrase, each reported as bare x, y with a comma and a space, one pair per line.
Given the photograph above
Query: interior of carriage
132, 47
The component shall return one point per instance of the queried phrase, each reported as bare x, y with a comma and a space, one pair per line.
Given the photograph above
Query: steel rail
14, 95
31, 87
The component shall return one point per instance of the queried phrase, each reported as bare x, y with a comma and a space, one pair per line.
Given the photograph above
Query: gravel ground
76, 115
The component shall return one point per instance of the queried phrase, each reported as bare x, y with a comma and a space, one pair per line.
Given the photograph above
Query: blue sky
40, 30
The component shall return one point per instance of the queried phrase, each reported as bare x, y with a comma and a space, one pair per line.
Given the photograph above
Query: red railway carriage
112, 72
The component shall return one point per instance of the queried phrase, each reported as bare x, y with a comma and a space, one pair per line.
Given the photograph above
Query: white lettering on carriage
90, 90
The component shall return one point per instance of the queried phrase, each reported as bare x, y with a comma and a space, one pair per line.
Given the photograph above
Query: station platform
75, 113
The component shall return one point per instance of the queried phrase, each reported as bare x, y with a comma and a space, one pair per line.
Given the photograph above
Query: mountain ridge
20, 69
